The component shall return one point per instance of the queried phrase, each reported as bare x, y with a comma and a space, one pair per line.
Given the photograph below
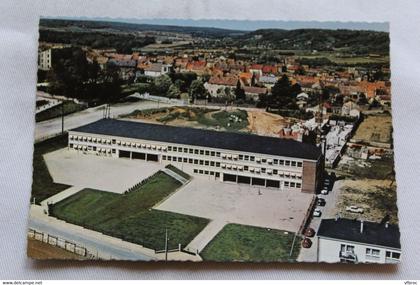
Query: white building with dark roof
229, 157
352, 241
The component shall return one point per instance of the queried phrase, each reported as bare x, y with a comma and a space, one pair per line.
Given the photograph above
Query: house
256, 69
216, 83
253, 92
353, 241
157, 69
261, 161
350, 109
268, 80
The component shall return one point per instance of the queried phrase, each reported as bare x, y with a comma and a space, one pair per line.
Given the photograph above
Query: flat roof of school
204, 138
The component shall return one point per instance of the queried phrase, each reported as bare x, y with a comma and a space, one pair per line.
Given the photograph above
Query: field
246, 243
40, 250
42, 184
375, 128
69, 108
130, 216
261, 123
378, 198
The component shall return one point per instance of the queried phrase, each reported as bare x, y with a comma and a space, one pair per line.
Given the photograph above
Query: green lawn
178, 171
232, 121
129, 216
42, 183
69, 107
246, 243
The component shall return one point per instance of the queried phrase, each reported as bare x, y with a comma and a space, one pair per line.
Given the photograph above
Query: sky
251, 25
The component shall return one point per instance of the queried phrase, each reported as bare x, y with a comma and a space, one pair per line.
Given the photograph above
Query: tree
282, 93
162, 84
197, 90
174, 91
239, 92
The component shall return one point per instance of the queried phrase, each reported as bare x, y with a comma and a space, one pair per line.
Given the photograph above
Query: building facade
228, 157
352, 241
45, 59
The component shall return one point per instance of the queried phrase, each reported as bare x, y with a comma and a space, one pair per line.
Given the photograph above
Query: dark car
306, 243
309, 232
320, 202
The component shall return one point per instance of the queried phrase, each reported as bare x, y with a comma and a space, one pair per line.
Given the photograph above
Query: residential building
353, 241
45, 60
229, 157
157, 69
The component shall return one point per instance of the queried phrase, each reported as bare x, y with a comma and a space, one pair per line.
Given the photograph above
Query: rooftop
349, 230
205, 138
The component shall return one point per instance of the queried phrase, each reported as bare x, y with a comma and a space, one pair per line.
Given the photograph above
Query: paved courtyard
101, 173
225, 203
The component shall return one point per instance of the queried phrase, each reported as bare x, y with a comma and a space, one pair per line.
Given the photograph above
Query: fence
147, 96
60, 243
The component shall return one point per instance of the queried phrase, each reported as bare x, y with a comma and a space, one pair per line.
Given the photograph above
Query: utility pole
62, 117
166, 244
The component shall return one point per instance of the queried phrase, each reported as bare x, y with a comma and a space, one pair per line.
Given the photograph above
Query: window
195, 171
252, 158
246, 157
191, 150
201, 162
372, 252
190, 160
246, 168
211, 163
241, 157
217, 164
212, 153
298, 185
179, 159
217, 174
293, 163
200, 171
206, 172
264, 160
185, 159
164, 157
180, 149
175, 148
185, 149
275, 171
211, 172
207, 152
169, 148
299, 164
286, 183
71, 145
281, 162
169, 157
201, 152
114, 141
347, 248
292, 184
287, 163
195, 151
206, 162
114, 150
195, 161
262, 170
218, 154
275, 161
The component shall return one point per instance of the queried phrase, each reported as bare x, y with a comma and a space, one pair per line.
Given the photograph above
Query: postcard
159, 142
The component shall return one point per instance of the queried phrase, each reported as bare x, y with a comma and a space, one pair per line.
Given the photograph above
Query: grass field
375, 128
178, 171
40, 250
42, 183
69, 107
130, 216
246, 243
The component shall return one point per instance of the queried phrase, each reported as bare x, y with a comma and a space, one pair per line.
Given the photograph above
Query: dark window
274, 171
169, 157
195, 151
206, 172
281, 162
114, 141
262, 170
287, 163
264, 160
169, 148
195, 170
206, 162
217, 174
246, 157
299, 164
275, 161
71, 145
200, 171
298, 185
201, 152
293, 163
191, 150
212, 153
207, 152
211, 172
245, 168
175, 148
201, 162
185, 159
185, 149
113, 150
218, 154
190, 160
241, 157
217, 164
195, 161
164, 157
211, 163
179, 159
252, 158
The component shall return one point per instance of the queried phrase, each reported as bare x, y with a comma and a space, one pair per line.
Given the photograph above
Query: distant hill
321, 39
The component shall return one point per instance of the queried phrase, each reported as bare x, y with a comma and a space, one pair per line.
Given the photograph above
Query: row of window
233, 167
281, 162
90, 148
372, 252
269, 161
207, 172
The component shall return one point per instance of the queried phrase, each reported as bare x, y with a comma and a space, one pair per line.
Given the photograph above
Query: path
205, 236
175, 175
61, 196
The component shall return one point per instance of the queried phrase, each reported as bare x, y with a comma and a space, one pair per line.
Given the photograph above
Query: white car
354, 209
324, 192
317, 213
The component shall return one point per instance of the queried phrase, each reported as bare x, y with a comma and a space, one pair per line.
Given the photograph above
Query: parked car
320, 202
309, 232
306, 243
317, 213
354, 209
324, 192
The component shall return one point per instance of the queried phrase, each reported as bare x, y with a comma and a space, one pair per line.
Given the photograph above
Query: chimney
361, 226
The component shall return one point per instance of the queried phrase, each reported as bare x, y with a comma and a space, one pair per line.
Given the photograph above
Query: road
98, 247
52, 127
